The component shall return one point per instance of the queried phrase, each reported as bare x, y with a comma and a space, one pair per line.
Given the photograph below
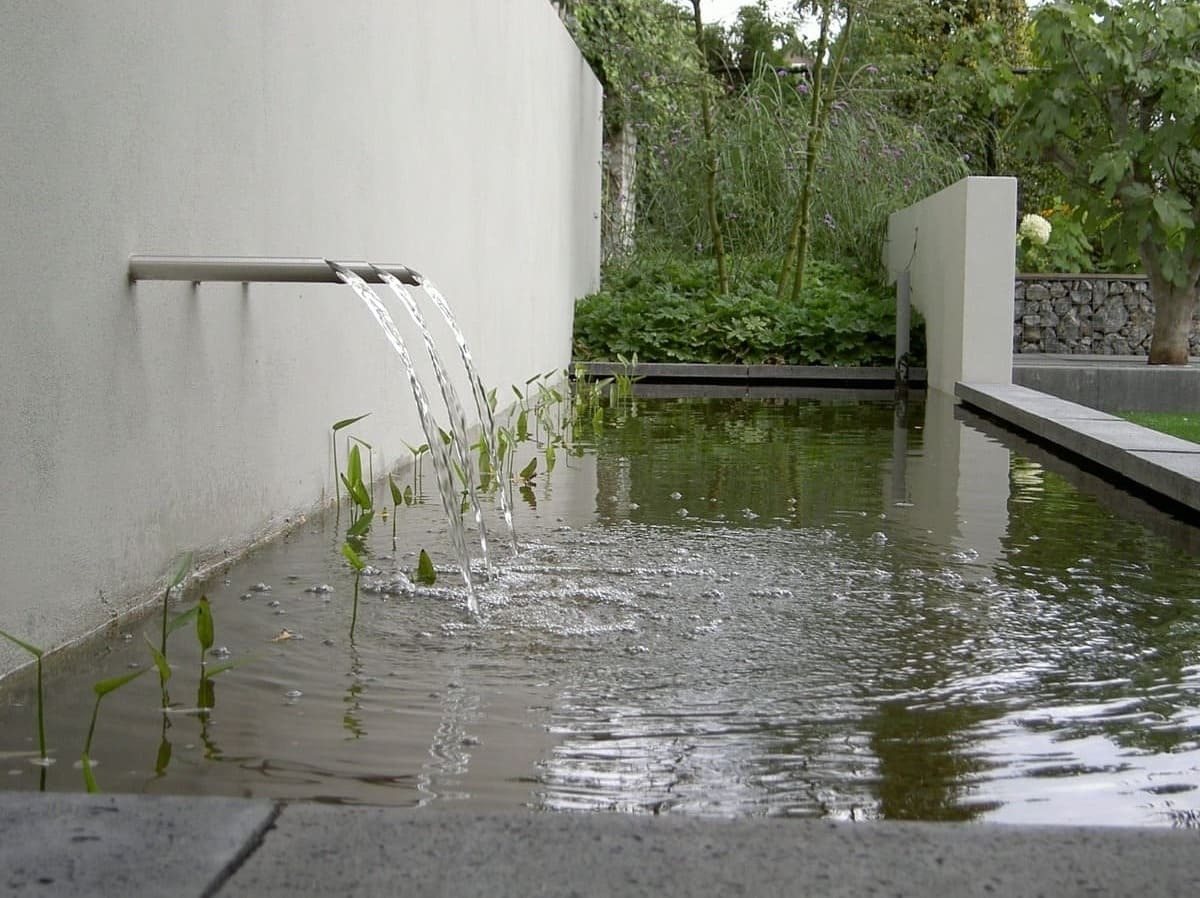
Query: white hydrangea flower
1035, 229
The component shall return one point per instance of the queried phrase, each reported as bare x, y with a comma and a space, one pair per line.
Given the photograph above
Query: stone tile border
1164, 465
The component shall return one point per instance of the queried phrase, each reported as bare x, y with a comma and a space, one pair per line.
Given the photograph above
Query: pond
781, 605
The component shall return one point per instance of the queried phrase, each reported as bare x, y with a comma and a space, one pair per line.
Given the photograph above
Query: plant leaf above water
104, 687
425, 571
182, 619
160, 660
33, 650
181, 570
352, 557
529, 471
361, 526
205, 629
397, 495
346, 422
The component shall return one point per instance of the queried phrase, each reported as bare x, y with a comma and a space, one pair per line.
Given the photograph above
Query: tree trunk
1174, 307
620, 201
710, 159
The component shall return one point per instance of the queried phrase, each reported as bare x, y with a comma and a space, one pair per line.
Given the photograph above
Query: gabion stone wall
1085, 314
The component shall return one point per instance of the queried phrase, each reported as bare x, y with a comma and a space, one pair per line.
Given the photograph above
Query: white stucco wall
959, 246
460, 137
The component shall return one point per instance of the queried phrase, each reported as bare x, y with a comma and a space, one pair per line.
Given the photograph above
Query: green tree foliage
952, 65
1114, 104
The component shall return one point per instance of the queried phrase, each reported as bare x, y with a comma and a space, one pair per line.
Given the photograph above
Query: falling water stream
482, 406
454, 409
437, 447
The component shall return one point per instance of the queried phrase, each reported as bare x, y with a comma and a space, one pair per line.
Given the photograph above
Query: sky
725, 11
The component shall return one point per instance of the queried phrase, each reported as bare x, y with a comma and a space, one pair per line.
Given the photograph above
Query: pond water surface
770, 606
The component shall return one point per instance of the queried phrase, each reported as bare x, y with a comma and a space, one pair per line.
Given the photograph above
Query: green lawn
1176, 424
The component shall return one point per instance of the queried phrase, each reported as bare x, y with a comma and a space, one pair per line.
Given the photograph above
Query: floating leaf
286, 634
346, 422
205, 629
425, 571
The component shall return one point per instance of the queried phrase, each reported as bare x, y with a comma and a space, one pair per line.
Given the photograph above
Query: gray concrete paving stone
65, 845
322, 850
1159, 462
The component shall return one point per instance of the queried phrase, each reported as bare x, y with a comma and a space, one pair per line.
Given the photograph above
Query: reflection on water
750, 607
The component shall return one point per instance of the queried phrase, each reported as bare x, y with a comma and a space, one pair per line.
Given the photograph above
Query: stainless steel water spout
257, 269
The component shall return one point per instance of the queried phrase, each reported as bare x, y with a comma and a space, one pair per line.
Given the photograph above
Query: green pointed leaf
446, 438
33, 650
408, 495
362, 525
549, 457
530, 470
523, 426
104, 687
205, 634
160, 660
425, 571
346, 422
182, 619
352, 557
181, 570
362, 443
354, 466
397, 495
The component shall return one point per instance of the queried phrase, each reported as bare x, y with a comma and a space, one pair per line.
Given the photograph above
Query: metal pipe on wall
257, 269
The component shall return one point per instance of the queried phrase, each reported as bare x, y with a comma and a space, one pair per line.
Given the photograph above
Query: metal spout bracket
258, 270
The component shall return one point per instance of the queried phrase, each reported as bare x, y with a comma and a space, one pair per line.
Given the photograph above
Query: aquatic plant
102, 688
358, 564
341, 425
160, 654
40, 698
398, 498
426, 574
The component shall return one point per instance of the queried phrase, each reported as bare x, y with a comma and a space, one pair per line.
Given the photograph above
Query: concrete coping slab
213, 847
1164, 465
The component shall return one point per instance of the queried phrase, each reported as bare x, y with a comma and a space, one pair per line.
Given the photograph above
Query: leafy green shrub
663, 309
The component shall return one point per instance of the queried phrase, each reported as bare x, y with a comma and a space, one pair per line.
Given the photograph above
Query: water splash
484, 408
437, 448
458, 418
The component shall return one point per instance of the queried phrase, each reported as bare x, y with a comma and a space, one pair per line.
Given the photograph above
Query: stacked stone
1085, 315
